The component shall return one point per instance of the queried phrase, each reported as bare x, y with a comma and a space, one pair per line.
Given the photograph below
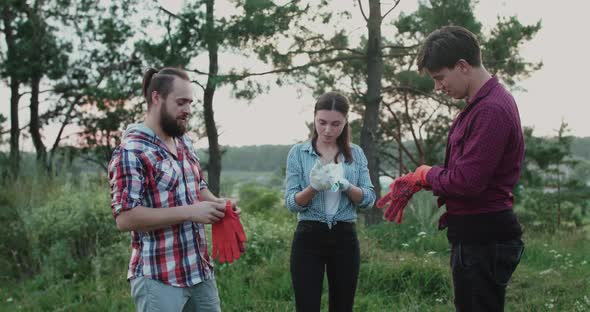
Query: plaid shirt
143, 172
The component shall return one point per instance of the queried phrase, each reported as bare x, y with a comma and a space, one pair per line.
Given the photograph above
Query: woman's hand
319, 178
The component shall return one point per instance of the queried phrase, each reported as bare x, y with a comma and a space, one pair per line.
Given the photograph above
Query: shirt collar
149, 135
484, 90
307, 147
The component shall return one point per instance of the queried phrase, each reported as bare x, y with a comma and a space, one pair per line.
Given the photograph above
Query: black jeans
317, 249
481, 273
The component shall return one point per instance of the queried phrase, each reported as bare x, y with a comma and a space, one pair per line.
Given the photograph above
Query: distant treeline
274, 157
252, 158
581, 147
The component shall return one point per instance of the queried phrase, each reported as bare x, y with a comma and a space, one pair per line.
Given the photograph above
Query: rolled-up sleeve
364, 182
293, 180
126, 176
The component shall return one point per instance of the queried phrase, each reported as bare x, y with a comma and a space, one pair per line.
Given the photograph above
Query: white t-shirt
333, 198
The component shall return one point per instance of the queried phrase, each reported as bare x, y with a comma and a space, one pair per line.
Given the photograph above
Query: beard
169, 124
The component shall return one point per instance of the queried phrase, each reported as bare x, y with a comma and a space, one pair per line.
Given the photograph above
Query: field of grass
403, 267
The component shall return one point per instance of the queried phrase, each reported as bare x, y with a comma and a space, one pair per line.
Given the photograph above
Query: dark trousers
317, 249
481, 273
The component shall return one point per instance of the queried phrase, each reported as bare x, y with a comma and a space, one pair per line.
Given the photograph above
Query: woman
327, 179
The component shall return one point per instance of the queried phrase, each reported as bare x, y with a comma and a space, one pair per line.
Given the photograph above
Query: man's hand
418, 177
421, 173
228, 236
206, 212
235, 208
412, 178
401, 191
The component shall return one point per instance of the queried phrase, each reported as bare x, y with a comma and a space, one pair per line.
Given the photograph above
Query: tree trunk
35, 124
400, 153
214, 165
7, 18
558, 197
60, 133
14, 128
36, 73
372, 101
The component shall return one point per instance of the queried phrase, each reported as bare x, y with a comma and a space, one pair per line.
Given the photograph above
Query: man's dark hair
444, 47
160, 81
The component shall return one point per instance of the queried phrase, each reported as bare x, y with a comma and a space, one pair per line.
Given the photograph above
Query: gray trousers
152, 295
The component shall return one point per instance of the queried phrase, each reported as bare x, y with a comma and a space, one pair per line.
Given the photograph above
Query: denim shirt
300, 160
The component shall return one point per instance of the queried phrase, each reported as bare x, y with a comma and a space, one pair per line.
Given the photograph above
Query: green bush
254, 199
538, 211
69, 227
266, 234
423, 211
227, 187
15, 250
418, 231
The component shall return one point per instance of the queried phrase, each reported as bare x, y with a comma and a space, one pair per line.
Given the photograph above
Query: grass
403, 267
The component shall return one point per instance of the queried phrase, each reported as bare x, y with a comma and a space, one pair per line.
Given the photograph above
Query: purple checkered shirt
484, 155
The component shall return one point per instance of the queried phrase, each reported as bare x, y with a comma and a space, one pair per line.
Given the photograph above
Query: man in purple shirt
484, 156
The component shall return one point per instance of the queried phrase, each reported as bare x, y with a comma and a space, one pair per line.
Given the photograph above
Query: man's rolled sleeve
203, 184
126, 176
293, 180
364, 182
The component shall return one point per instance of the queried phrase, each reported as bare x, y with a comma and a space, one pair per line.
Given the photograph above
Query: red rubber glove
218, 237
232, 251
228, 237
401, 191
238, 230
419, 176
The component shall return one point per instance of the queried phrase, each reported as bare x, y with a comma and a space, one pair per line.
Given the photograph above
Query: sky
556, 92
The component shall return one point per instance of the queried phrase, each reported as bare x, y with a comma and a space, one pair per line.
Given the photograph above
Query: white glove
337, 180
341, 185
319, 178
